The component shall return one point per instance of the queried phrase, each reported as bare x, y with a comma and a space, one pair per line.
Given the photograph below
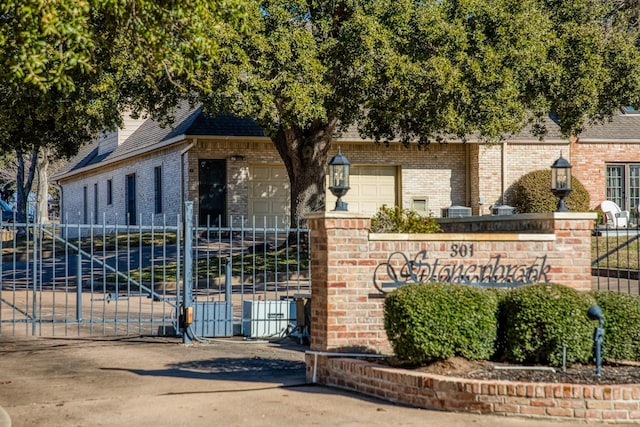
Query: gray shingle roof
553, 134
194, 122
622, 127
186, 121
224, 125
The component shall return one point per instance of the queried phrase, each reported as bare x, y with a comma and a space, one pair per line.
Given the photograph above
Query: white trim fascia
537, 141
607, 140
553, 141
231, 137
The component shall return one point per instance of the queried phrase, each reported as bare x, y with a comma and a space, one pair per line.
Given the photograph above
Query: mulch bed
611, 373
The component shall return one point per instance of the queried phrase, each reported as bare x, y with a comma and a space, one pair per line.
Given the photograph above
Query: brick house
228, 167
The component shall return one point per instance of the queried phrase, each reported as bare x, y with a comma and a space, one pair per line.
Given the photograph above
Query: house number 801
461, 250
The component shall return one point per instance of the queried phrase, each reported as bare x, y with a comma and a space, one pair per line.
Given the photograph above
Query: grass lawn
621, 252
247, 264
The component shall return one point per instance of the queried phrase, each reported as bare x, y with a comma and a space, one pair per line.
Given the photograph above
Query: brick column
571, 257
343, 316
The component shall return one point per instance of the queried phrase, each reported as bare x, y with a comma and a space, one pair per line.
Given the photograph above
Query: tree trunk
305, 154
42, 191
23, 186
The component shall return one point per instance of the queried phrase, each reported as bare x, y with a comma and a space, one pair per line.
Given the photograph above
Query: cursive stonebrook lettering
399, 270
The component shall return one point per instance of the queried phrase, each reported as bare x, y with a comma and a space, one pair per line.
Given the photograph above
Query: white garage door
371, 187
269, 195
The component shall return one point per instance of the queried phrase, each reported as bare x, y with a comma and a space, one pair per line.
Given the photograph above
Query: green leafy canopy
423, 71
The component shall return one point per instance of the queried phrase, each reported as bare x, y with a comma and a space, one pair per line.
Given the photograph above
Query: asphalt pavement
140, 381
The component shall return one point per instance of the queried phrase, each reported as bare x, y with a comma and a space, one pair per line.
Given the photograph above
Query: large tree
48, 44
416, 71
39, 127
68, 67
422, 71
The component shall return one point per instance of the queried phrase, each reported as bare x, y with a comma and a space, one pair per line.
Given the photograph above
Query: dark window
131, 199
95, 203
109, 192
85, 207
157, 183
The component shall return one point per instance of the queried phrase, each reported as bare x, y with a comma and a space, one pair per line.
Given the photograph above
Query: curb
5, 419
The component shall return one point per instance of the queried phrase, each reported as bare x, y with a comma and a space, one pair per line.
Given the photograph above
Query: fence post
227, 281
79, 287
188, 269
35, 277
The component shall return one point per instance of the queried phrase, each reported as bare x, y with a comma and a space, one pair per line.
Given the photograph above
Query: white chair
614, 215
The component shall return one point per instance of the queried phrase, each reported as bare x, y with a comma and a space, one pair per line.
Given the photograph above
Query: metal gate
615, 257
102, 279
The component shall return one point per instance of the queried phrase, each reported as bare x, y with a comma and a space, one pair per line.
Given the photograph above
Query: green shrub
621, 325
532, 194
428, 322
397, 220
537, 320
600, 216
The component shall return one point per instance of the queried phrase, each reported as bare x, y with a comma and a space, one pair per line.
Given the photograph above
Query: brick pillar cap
522, 217
336, 214
575, 215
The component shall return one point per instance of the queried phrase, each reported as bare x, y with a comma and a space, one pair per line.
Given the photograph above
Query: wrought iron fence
615, 254
101, 279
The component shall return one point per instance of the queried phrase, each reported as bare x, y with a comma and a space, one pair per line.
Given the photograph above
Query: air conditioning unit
267, 318
503, 210
456, 212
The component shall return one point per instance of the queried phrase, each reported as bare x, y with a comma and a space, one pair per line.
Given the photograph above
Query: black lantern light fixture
339, 179
561, 182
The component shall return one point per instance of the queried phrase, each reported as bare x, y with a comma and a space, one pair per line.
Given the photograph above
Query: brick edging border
578, 402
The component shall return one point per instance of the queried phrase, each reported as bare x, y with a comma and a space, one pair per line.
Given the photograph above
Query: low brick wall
351, 268
593, 403
350, 265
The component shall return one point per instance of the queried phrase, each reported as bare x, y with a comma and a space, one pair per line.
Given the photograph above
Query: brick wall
444, 174
347, 312
577, 402
346, 306
115, 213
589, 161
524, 158
489, 171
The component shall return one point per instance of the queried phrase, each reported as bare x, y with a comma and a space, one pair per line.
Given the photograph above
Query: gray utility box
213, 319
456, 212
267, 318
503, 210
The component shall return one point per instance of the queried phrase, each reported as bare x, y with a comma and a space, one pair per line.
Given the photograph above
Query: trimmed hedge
621, 325
530, 324
536, 321
434, 321
398, 220
532, 194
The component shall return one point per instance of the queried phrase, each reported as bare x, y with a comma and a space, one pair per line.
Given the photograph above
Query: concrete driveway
154, 382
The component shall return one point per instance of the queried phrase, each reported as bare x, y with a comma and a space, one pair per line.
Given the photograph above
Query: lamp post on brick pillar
339, 179
561, 182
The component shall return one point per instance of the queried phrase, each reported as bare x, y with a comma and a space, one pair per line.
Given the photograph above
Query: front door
212, 192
